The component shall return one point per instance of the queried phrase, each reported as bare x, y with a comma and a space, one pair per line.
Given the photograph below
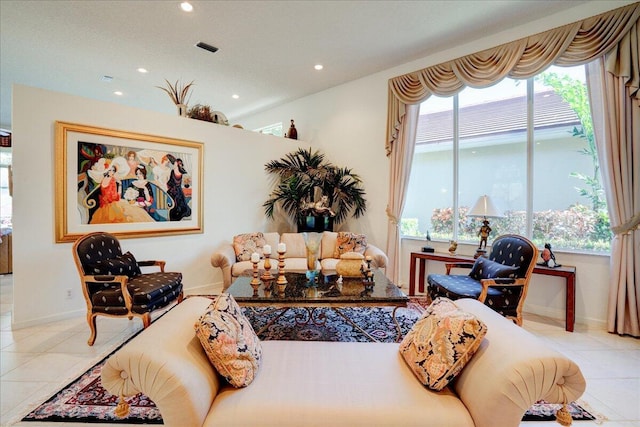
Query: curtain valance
571, 44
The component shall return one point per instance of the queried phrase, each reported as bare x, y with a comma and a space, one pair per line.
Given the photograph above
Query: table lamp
484, 208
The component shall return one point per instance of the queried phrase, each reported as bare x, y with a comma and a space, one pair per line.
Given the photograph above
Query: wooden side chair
500, 281
113, 284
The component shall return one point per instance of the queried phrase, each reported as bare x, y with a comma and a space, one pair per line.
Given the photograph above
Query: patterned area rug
85, 401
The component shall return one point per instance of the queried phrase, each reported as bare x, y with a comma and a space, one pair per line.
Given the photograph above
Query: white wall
235, 186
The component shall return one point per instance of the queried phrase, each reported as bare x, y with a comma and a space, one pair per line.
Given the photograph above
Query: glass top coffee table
325, 291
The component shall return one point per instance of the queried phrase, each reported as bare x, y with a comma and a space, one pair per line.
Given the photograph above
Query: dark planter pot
315, 223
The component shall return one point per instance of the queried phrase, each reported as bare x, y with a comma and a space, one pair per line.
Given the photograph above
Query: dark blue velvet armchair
113, 283
500, 281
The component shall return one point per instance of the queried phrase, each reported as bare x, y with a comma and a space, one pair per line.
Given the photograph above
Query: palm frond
176, 92
304, 175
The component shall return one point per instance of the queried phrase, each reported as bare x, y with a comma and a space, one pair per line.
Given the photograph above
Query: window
5, 196
528, 144
274, 129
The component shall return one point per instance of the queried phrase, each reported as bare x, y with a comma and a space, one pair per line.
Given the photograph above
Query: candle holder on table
282, 280
267, 276
255, 282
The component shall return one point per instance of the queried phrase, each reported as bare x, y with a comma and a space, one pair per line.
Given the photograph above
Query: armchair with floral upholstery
500, 281
113, 283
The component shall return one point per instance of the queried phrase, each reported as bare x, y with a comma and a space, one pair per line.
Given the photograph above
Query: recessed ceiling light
318, 67
186, 6
142, 70
235, 96
118, 93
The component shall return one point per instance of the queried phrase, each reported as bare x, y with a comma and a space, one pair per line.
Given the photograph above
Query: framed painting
125, 183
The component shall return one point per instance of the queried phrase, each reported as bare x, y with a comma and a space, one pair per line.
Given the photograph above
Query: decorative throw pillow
484, 268
246, 244
441, 343
349, 242
122, 265
229, 340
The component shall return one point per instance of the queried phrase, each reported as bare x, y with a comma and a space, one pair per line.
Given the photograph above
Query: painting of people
126, 183
123, 185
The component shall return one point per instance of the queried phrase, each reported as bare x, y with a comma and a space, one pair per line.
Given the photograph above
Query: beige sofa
314, 383
224, 257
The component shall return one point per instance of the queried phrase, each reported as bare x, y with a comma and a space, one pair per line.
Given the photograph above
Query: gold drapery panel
571, 44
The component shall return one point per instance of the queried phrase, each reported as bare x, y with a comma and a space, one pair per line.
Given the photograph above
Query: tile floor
38, 361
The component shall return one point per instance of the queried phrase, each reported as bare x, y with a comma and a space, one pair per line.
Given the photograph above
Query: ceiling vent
208, 47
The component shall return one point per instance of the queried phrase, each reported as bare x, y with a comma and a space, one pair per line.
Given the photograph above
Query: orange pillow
349, 242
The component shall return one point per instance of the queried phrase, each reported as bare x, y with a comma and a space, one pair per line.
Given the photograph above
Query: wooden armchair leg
180, 297
146, 320
91, 320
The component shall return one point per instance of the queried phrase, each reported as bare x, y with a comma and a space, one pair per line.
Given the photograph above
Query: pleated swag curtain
572, 44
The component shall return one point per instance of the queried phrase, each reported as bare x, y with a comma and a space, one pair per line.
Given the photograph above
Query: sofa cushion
441, 342
229, 340
295, 245
246, 244
349, 242
484, 268
124, 264
328, 244
336, 384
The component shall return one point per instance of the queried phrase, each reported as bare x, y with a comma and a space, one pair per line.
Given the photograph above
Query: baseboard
559, 315
48, 319
209, 288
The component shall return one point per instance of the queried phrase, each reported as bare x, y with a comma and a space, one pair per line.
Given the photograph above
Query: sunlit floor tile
10, 361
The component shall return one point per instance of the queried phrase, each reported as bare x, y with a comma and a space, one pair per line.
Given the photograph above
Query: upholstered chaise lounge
314, 383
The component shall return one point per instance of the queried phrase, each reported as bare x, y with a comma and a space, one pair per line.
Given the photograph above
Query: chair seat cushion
503, 299
458, 286
148, 287
146, 290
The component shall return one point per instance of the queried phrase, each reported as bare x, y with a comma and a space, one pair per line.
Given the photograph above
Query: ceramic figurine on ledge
293, 132
453, 247
548, 257
428, 248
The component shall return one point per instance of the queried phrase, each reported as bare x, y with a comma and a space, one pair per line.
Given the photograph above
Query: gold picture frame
125, 183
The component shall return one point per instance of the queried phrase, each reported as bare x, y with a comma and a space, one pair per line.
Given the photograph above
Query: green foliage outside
410, 227
574, 93
577, 228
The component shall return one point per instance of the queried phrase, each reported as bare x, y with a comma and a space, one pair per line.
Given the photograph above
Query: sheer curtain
572, 44
615, 103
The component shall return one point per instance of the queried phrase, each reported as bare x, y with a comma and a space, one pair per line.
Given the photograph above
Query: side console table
568, 272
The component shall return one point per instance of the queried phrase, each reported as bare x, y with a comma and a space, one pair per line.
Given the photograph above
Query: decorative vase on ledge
182, 110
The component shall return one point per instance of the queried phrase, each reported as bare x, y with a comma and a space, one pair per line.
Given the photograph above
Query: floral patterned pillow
229, 340
349, 242
246, 244
441, 343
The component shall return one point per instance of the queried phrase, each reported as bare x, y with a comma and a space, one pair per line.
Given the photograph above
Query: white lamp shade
484, 207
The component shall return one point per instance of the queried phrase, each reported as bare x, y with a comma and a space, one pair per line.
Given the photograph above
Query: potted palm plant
314, 192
